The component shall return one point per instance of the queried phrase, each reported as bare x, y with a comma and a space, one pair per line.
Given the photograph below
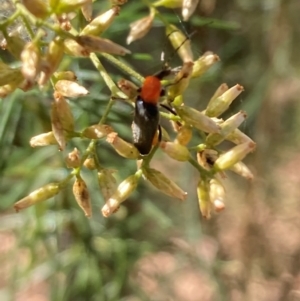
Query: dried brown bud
82, 196
38, 8
73, 159
97, 131
128, 88
107, 183
95, 44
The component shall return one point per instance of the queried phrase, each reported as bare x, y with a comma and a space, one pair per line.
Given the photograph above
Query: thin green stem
203, 172
123, 67
10, 20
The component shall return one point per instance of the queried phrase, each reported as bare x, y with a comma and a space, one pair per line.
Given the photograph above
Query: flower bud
9, 75
203, 63
217, 194
220, 104
238, 137
168, 3
221, 89
180, 43
38, 8
15, 45
98, 25
87, 10
73, 159
164, 184
188, 7
123, 191
128, 88
181, 81
53, 58
82, 196
123, 148
175, 151
67, 75
243, 170
30, 58
227, 127
197, 119
184, 135
72, 48
39, 195
203, 198
95, 44
64, 21
89, 163
64, 112
107, 183
66, 6
140, 28
43, 140
234, 155
57, 127
69, 88
97, 131
207, 158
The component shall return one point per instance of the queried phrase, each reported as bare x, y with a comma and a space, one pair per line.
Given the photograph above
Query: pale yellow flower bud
139, 28
9, 75
243, 170
203, 198
184, 135
107, 183
89, 163
238, 137
164, 184
71, 47
69, 88
15, 44
123, 148
236, 154
43, 140
197, 119
181, 81
175, 151
98, 25
39, 195
82, 196
217, 194
95, 44
203, 63
123, 191
73, 159
97, 131
227, 127
180, 43
220, 104
188, 7
30, 58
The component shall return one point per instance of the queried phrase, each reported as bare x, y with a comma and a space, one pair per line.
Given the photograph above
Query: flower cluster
39, 65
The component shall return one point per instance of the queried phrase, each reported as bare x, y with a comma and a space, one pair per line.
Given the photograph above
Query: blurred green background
156, 248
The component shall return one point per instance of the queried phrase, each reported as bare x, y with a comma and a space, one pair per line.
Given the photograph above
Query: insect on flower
146, 116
